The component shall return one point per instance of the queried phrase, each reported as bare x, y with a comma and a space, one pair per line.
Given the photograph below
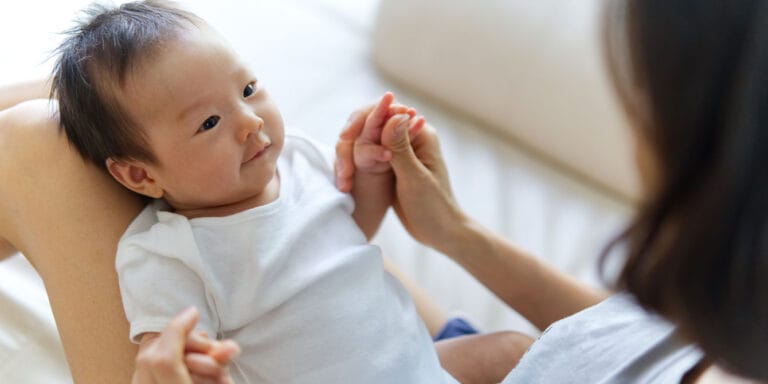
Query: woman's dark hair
694, 77
94, 60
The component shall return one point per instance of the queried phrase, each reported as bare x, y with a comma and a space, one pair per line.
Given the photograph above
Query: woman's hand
178, 356
424, 201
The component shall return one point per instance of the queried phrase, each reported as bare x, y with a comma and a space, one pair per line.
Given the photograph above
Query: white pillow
530, 69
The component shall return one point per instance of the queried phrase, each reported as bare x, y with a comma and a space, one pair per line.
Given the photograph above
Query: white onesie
294, 282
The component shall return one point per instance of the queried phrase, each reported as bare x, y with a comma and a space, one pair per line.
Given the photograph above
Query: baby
245, 222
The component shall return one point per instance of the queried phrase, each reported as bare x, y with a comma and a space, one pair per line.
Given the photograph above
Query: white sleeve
155, 288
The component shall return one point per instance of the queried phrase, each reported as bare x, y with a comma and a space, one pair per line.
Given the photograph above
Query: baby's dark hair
94, 60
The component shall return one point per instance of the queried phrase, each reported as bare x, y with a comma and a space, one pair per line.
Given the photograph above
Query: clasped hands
389, 137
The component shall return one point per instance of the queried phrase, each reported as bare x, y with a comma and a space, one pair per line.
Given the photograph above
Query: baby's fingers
400, 109
369, 155
377, 118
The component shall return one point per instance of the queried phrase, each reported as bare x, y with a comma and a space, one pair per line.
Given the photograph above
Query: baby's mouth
265, 145
261, 151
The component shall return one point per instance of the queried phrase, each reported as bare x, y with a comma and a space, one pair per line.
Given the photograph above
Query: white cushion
532, 70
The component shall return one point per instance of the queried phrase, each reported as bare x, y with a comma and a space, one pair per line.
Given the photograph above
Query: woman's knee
513, 344
6, 249
46, 182
24, 131
483, 358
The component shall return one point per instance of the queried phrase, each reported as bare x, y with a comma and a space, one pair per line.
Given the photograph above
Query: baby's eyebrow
191, 108
243, 71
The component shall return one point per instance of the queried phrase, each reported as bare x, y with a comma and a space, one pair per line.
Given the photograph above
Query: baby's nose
252, 124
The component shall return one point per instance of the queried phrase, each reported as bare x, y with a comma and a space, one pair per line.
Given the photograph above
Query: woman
691, 75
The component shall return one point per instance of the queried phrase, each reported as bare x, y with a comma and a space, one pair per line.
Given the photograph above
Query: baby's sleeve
157, 287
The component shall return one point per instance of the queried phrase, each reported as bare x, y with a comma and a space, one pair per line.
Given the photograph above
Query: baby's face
211, 125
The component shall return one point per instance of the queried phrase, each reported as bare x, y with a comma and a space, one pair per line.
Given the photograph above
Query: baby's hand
368, 153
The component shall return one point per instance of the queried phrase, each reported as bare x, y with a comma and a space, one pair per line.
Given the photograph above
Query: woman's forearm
536, 290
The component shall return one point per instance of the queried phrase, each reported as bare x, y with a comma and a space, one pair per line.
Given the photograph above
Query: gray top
614, 341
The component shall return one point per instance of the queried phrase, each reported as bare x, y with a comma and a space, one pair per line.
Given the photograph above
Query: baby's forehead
194, 62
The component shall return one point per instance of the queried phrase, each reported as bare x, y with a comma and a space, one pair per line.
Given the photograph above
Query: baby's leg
486, 358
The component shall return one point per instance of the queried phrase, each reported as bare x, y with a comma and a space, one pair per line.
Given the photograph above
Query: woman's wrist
464, 236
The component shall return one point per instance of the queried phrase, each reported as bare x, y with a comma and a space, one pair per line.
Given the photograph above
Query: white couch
533, 141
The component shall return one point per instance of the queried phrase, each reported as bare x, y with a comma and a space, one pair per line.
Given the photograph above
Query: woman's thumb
395, 138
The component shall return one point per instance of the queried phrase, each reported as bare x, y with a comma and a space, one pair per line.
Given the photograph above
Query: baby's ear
134, 175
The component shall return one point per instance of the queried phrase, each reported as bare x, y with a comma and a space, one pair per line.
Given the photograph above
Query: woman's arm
425, 205
538, 291
66, 216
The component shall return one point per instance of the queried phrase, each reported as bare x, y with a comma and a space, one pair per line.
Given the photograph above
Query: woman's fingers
395, 138
173, 337
417, 124
354, 125
212, 366
344, 165
224, 351
205, 380
203, 365
161, 361
142, 375
198, 342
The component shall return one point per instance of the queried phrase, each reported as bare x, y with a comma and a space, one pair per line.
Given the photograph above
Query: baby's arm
373, 178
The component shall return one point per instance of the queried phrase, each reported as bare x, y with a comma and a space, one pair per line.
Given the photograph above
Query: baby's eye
209, 123
249, 90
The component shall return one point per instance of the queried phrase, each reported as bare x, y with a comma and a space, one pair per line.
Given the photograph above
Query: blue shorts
455, 327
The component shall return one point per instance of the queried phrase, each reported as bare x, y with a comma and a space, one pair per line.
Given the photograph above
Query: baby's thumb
395, 138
